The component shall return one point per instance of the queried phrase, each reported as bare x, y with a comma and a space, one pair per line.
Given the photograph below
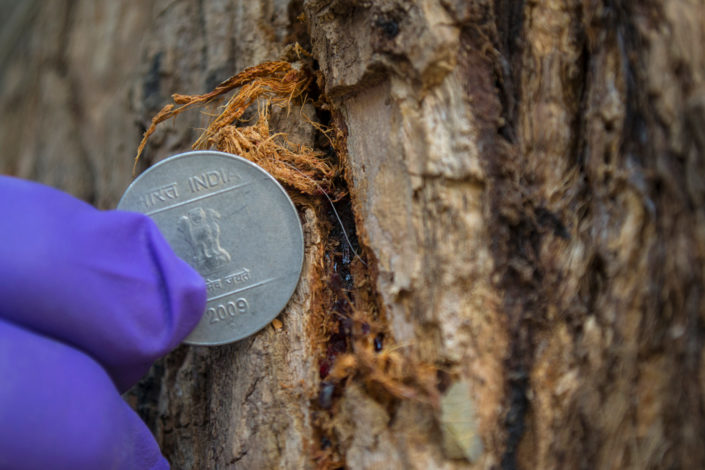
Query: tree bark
527, 191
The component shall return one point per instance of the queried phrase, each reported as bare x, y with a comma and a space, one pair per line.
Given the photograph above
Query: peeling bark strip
527, 182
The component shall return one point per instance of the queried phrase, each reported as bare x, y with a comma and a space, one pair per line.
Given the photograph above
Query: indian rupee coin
234, 223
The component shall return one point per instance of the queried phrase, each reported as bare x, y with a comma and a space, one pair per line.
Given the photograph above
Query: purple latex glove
88, 300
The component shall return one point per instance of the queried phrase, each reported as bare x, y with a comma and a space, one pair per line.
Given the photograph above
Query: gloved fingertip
163, 464
191, 294
184, 289
178, 294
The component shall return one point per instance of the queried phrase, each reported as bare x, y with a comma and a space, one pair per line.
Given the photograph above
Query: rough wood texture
527, 180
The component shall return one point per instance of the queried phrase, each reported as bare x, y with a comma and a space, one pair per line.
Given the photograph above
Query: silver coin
234, 223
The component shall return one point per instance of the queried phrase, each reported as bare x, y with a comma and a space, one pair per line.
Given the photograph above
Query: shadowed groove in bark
509, 21
509, 24
336, 332
491, 85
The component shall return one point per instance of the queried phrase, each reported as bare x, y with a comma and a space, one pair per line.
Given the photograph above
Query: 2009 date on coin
231, 309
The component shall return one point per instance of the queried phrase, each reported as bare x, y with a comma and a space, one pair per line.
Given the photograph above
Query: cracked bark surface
527, 180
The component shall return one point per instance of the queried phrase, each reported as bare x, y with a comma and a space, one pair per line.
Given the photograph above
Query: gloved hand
88, 300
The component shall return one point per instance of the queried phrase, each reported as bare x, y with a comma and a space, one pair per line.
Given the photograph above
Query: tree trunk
526, 188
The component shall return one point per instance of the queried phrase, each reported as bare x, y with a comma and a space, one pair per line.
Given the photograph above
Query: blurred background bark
527, 184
